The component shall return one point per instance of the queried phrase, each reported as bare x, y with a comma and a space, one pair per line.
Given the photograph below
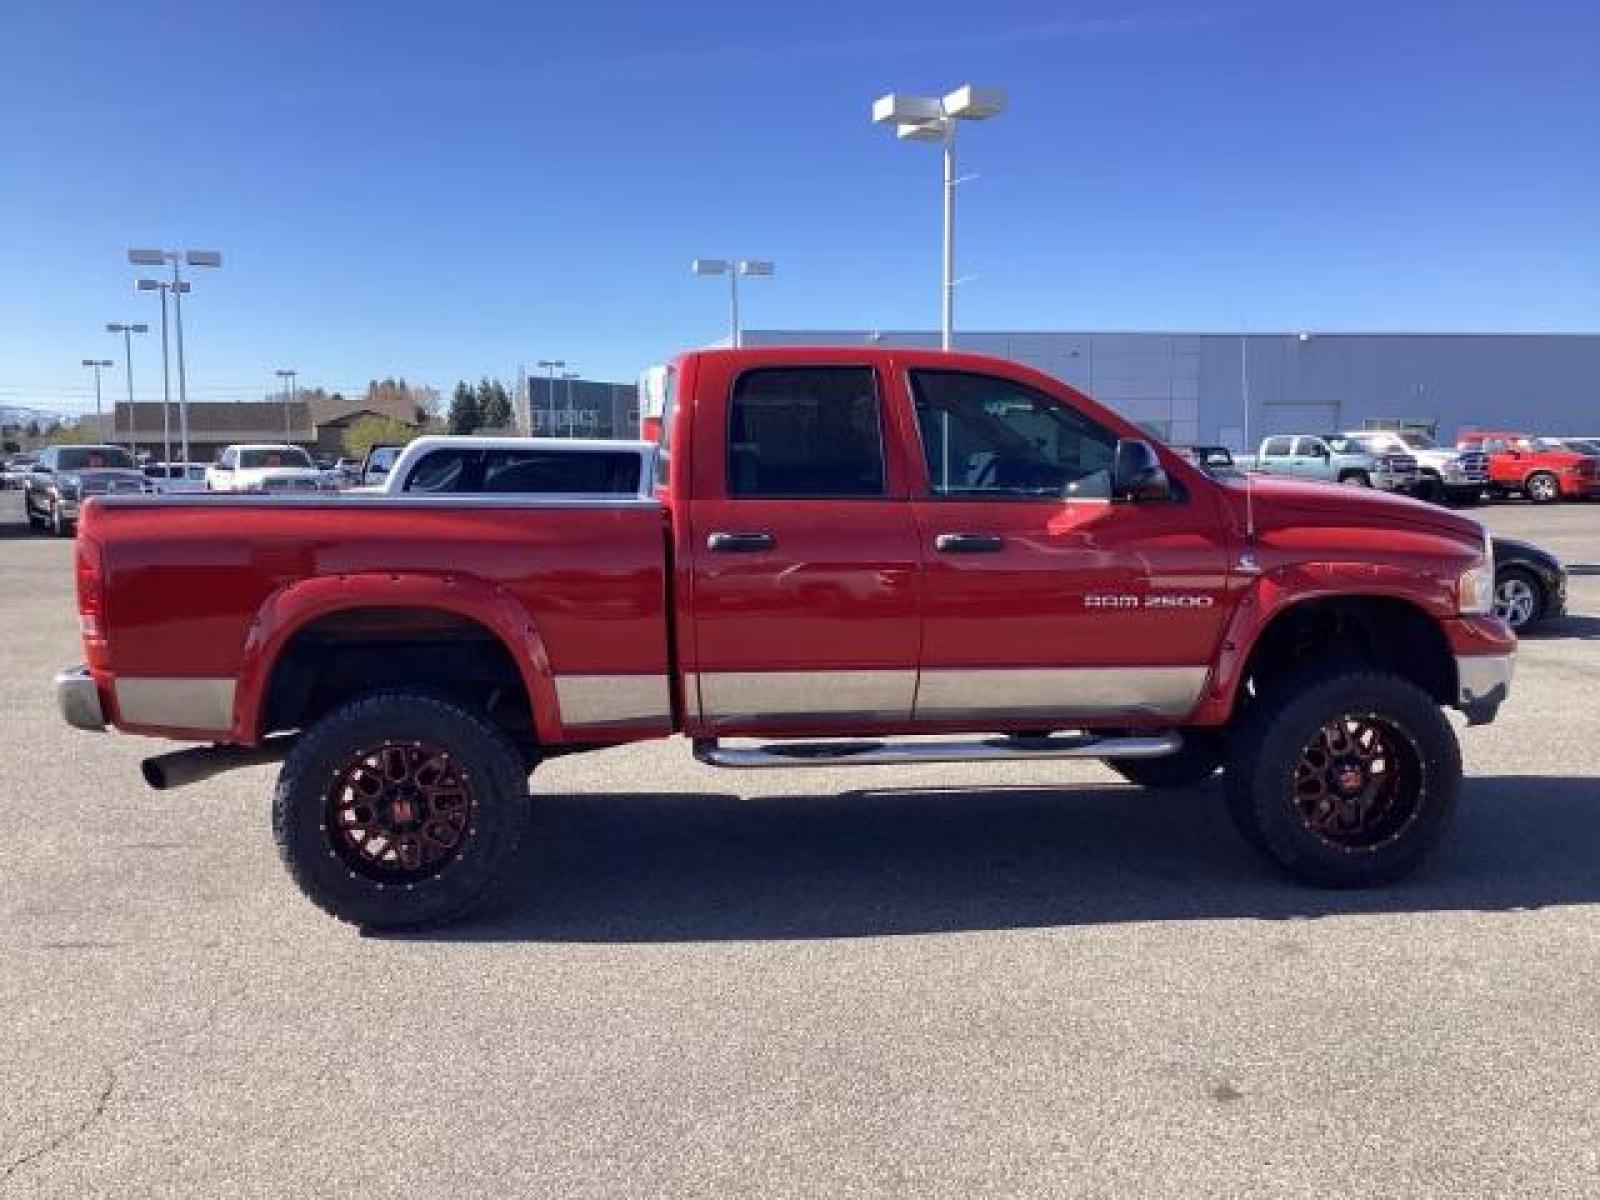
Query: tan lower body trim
806, 695
613, 699
954, 694
176, 703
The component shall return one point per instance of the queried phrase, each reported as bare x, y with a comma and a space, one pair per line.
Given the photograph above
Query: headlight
1475, 588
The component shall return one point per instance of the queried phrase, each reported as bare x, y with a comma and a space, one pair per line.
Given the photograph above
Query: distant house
332, 415
319, 425
213, 425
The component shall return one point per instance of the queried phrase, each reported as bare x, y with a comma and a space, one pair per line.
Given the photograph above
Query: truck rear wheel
1344, 778
400, 810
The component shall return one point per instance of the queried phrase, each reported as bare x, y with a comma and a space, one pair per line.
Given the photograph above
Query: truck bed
201, 592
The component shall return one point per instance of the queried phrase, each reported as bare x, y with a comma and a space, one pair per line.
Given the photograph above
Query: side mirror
1137, 475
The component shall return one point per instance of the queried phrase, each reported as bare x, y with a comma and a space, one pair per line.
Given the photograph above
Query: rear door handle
739, 543
968, 543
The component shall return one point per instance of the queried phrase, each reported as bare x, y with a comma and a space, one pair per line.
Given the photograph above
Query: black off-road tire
487, 760
1429, 489
35, 521
1198, 761
1267, 745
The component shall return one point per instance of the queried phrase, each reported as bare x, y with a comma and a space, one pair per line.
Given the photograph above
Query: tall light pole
934, 119
572, 418
98, 364
733, 268
288, 429
151, 285
552, 365
127, 332
146, 257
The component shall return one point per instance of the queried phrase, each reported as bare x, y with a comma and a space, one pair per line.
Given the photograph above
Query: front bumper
79, 699
1578, 488
1483, 683
1395, 481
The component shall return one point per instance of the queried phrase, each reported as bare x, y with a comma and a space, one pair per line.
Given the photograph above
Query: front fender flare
1276, 592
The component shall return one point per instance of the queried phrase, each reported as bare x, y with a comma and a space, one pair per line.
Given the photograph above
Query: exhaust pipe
181, 767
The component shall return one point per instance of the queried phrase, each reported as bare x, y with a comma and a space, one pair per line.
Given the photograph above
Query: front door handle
739, 543
969, 543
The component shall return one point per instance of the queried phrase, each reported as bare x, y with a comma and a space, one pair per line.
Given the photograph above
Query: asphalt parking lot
1020, 980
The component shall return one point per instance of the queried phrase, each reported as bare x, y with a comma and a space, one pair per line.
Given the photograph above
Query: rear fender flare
296, 604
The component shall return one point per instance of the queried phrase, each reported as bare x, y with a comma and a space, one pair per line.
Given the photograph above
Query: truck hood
1278, 502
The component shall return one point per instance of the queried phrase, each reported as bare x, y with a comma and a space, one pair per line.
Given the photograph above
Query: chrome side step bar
896, 754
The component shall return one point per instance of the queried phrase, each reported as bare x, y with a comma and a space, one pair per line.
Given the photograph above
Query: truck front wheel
1344, 778
400, 810
1356, 479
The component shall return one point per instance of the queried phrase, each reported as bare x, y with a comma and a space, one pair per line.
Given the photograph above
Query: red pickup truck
837, 552
1543, 469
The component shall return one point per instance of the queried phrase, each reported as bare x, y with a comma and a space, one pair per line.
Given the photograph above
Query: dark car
1530, 584
65, 476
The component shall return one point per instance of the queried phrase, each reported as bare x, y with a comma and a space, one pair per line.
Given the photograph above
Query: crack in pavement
207, 1021
102, 1101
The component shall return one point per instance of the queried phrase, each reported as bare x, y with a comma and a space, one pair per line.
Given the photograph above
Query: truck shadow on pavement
709, 867
1583, 628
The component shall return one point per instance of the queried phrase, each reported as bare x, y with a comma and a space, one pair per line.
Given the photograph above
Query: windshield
274, 456
1340, 444
90, 458
1418, 441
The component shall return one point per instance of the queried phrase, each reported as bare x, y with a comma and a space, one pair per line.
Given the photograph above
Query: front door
804, 554
1045, 602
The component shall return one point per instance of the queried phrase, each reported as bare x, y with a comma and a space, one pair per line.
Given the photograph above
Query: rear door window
805, 431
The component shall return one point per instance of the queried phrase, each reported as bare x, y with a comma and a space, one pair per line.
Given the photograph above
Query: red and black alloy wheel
400, 812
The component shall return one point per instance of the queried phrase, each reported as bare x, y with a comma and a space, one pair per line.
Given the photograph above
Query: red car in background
1544, 469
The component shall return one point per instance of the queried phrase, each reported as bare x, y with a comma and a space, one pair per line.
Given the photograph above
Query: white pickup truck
1337, 458
273, 469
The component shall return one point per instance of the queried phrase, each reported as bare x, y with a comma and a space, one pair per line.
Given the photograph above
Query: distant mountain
13, 415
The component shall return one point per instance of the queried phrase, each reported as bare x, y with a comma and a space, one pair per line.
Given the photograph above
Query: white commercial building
1190, 387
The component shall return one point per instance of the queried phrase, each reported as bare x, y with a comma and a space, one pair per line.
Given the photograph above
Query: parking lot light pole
572, 417
153, 285
98, 364
934, 119
551, 365
127, 332
733, 268
146, 257
288, 402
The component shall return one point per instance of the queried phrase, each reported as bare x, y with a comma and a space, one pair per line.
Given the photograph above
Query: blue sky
442, 190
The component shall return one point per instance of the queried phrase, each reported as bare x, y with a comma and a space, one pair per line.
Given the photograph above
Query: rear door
804, 561
1044, 602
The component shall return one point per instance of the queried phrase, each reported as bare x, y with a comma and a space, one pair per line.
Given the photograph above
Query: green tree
494, 404
466, 415
366, 432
